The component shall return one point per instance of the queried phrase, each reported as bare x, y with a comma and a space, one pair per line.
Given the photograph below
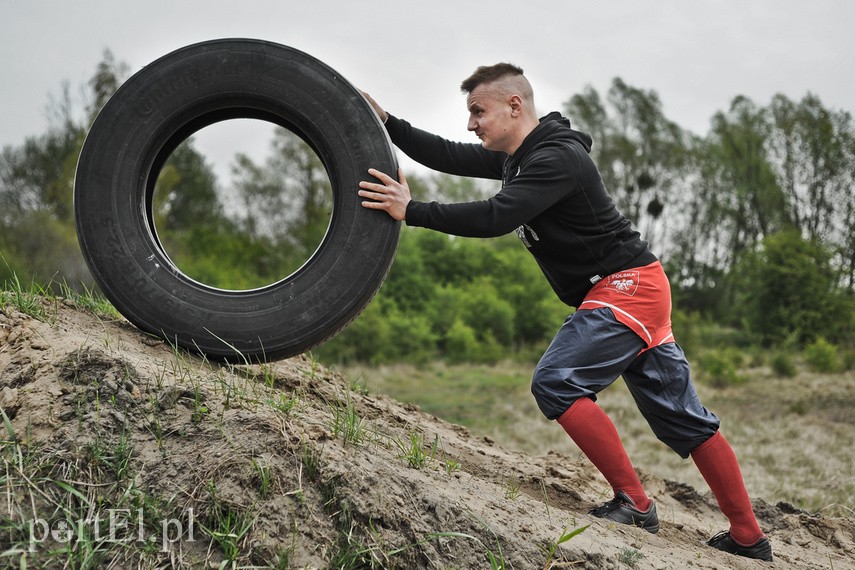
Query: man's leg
594, 433
661, 384
587, 354
717, 462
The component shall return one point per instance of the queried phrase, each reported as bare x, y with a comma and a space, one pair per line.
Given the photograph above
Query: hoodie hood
555, 123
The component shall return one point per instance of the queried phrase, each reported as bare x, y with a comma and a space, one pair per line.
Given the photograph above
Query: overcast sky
411, 56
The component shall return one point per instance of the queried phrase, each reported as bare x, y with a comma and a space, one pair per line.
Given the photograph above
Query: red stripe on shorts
640, 298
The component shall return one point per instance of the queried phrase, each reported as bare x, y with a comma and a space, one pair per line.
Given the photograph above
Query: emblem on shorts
625, 282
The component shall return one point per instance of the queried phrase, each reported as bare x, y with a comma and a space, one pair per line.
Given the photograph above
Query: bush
790, 288
821, 356
719, 368
460, 342
783, 365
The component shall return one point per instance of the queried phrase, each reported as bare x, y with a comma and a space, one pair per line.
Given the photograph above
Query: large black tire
158, 108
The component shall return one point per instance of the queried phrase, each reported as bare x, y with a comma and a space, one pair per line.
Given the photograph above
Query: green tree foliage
288, 198
466, 299
761, 171
788, 288
107, 78
812, 150
640, 152
203, 238
37, 239
755, 222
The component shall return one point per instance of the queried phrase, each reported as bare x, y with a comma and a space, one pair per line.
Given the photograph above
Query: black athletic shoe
761, 550
622, 510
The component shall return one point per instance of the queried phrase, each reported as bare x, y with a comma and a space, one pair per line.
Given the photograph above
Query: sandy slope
76, 378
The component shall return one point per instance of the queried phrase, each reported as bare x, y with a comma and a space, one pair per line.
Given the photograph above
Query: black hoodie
552, 195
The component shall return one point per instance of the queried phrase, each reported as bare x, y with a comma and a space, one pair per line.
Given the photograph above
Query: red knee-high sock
595, 434
717, 463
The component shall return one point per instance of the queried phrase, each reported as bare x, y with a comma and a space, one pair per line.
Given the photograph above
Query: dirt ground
324, 474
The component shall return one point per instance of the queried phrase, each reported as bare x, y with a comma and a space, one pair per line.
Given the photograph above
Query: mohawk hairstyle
488, 74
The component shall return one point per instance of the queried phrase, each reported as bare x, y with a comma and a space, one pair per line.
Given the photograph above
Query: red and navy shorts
623, 328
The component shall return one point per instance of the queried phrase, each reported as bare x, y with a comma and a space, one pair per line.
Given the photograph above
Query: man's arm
437, 153
538, 186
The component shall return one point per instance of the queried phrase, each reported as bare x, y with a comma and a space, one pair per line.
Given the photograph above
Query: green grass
416, 451
476, 396
39, 301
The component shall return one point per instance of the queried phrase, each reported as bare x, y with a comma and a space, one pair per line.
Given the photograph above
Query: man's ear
516, 104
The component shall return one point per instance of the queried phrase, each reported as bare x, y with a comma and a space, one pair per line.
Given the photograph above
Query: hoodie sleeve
437, 153
541, 181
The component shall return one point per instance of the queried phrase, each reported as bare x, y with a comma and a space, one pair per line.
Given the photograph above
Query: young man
553, 197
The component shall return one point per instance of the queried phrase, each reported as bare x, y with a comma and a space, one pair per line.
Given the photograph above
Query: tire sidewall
162, 105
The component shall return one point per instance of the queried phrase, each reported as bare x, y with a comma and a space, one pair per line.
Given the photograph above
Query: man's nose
473, 124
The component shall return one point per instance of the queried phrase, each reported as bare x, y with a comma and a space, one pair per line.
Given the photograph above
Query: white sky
411, 56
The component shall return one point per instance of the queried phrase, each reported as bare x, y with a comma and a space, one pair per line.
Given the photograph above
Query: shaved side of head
502, 80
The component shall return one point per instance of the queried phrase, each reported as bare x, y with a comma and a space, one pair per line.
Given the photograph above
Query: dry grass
794, 436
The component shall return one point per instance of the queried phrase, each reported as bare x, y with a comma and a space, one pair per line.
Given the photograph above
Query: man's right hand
390, 195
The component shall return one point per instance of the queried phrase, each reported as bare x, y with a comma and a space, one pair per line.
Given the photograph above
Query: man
553, 197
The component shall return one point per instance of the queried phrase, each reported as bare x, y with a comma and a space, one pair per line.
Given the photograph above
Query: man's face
489, 117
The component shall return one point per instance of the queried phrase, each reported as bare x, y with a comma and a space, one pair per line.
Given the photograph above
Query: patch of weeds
416, 452
512, 488
630, 556
78, 510
262, 478
551, 547
226, 525
114, 456
350, 553
496, 559
451, 466
357, 385
266, 376
283, 557
347, 424
200, 410
799, 407
90, 300
29, 301
311, 463
314, 366
283, 403
351, 550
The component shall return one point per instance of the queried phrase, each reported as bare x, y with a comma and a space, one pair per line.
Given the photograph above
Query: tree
812, 150
37, 238
641, 154
747, 195
289, 197
186, 193
808, 151
788, 288
108, 77
734, 202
